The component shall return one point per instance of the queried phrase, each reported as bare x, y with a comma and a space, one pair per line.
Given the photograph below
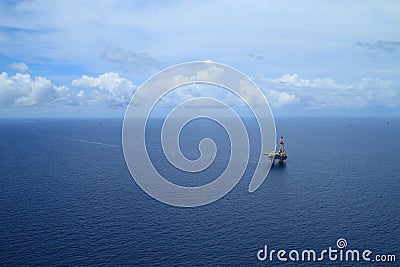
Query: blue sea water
67, 197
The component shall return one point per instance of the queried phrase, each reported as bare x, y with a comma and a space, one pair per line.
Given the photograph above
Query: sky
87, 58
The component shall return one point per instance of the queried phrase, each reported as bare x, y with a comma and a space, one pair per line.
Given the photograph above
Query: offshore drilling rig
281, 155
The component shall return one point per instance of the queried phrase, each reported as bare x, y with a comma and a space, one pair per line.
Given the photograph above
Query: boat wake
90, 142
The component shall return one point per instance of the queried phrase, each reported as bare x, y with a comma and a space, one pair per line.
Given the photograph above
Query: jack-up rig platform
281, 155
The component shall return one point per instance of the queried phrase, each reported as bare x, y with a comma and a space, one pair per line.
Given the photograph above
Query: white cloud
19, 66
280, 99
187, 92
21, 90
327, 93
217, 75
292, 81
108, 89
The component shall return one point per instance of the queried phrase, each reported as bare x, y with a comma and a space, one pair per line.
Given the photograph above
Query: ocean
67, 197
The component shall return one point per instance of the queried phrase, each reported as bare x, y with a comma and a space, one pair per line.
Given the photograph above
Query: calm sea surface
67, 197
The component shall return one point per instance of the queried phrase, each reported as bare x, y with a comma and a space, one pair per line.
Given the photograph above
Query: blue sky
87, 58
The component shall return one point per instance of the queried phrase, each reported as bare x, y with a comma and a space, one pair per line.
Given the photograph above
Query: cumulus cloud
327, 93
385, 46
21, 90
211, 72
19, 66
108, 89
295, 91
280, 99
188, 92
291, 90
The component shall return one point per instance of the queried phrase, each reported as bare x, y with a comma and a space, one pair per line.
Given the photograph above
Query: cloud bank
22, 90
111, 91
326, 93
108, 90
